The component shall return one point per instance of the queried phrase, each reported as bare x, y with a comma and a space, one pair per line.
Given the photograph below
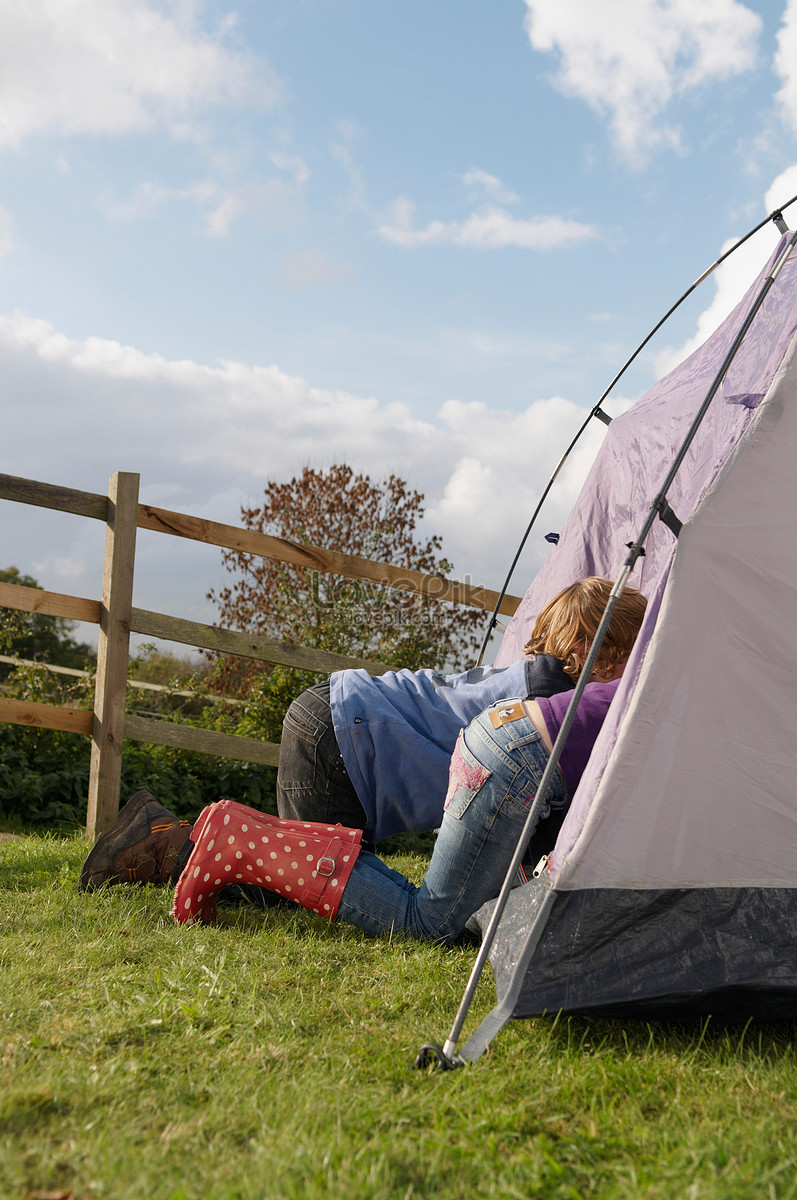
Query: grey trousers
312, 781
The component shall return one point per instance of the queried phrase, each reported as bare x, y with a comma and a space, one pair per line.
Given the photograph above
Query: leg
494, 777
303, 861
312, 781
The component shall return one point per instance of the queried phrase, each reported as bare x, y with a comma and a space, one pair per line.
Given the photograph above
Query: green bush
44, 777
44, 774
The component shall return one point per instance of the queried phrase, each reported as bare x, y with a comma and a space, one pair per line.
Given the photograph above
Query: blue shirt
396, 732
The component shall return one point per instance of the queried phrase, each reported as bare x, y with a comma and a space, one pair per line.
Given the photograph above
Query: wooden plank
202, 741
142, 729
315, 558
189, 633
113, 651
47, 495
248, 645
46, 716
43, 666
139, 684
50, 604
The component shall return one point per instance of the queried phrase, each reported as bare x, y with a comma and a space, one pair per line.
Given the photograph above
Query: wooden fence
108, 725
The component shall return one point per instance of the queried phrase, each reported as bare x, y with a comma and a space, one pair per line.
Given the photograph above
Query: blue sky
418, 237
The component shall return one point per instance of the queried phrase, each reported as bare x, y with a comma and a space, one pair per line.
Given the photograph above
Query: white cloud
70, 67
6, 238
491, 228
356, 199
293, 164
273, 202
147, 199
206, 438
785, 63
502, 462
629, 59
66, 570
202, 411
782, 189
475, 344
492, 187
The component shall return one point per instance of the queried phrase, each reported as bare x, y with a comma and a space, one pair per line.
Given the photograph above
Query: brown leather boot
141, 847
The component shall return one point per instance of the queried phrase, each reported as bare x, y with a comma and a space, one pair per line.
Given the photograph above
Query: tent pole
498, 1016
448, 1056
660, 506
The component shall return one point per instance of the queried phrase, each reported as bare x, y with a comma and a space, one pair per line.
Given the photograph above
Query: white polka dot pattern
245, 829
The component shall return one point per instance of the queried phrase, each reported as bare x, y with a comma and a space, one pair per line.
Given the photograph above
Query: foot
205, 874
141, 847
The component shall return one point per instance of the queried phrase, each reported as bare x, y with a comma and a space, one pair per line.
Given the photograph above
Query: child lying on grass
150, 844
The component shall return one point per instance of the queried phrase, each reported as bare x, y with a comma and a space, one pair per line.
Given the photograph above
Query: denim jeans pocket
302, 723
521, 792
466, 777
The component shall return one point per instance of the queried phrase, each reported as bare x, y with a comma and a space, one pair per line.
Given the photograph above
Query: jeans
312, 781
494, 775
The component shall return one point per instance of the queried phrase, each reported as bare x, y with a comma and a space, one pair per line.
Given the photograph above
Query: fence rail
108, 725
231, 537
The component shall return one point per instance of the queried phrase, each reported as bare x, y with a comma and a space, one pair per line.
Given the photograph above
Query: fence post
113, 649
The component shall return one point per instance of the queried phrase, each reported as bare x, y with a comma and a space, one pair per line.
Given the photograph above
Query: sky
418, 238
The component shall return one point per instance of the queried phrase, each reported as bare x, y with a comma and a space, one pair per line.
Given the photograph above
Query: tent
672, 888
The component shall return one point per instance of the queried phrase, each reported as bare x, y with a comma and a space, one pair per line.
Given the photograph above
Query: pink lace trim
464, 774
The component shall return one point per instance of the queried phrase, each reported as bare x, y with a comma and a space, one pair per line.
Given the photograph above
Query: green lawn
271, 1056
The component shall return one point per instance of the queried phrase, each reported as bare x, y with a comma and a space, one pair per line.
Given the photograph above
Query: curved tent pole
776, 216
448, 1057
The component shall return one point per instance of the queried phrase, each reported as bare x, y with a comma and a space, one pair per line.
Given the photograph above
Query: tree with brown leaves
339, 510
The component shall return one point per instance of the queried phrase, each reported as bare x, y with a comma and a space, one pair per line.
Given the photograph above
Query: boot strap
327, 865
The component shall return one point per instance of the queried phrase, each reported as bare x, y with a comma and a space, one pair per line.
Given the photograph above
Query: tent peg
430, 1054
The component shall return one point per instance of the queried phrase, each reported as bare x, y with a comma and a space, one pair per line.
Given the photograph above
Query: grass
271, 1056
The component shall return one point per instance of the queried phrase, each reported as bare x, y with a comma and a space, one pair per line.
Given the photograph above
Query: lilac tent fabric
627, 474
692, 785
640, 445
671, 888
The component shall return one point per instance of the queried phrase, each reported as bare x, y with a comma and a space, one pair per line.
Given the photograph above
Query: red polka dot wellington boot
304, 861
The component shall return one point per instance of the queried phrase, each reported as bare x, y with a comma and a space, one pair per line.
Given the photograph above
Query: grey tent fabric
728, 953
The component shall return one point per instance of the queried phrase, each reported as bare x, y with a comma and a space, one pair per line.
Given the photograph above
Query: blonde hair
567, 626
